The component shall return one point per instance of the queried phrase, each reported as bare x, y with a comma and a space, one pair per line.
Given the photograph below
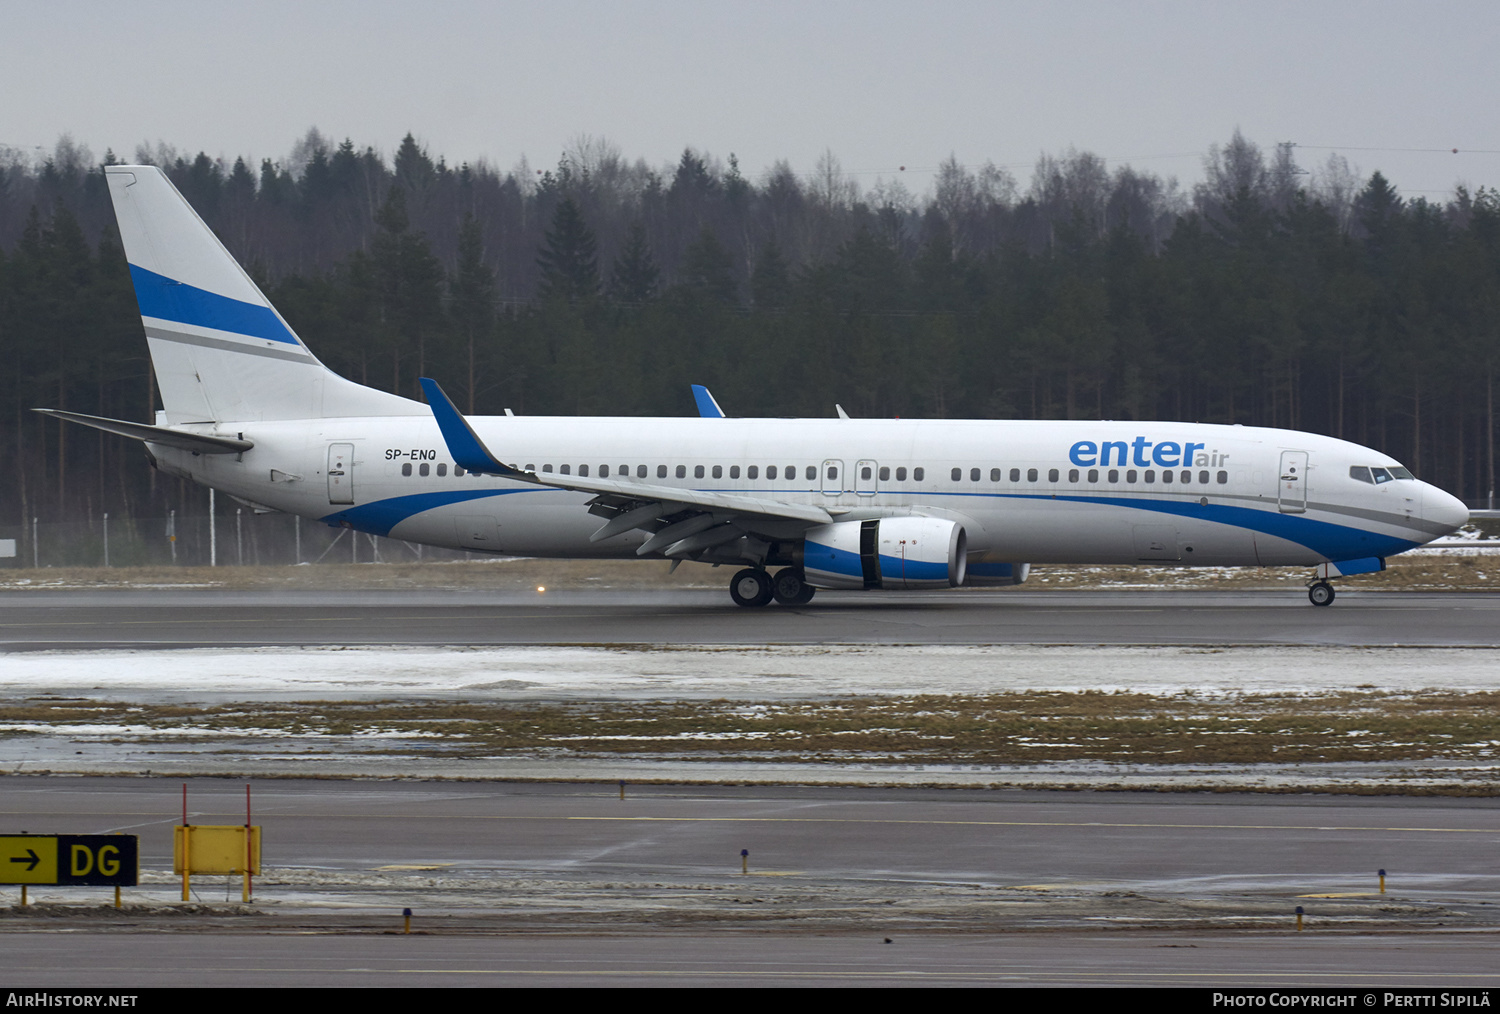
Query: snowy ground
261, 677
213, 675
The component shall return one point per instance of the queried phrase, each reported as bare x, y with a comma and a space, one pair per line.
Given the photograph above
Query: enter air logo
1143, 454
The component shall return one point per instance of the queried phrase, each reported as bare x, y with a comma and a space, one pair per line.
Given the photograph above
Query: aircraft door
340, 473
1291, 488
866, 481
833, 478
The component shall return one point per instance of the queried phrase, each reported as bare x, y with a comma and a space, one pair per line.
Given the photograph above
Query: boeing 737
794, 504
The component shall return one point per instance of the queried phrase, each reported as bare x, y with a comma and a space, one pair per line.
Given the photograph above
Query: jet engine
894, 553
984, 572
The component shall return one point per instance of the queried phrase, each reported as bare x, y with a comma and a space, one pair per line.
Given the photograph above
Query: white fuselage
1033, 491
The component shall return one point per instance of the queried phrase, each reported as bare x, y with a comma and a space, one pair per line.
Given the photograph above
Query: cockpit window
1376, 476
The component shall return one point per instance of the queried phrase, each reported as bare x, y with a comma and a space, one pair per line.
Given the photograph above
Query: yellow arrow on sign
28, 860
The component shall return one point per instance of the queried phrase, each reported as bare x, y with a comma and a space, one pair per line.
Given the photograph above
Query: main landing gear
1320, 593
751, 587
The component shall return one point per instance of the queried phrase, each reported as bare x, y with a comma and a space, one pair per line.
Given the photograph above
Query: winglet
707, 407
463, 443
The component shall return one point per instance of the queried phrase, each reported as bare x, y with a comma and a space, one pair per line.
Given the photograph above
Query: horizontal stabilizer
163, 435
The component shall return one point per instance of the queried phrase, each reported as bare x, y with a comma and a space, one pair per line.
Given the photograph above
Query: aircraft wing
681, 521
708, 408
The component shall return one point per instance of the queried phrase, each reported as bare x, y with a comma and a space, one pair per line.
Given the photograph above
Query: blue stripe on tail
166, 299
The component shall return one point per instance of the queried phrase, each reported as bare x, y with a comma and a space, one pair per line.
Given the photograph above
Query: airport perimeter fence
240, 537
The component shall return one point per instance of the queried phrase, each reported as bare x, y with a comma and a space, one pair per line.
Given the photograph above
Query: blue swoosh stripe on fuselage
167, 299
378, 517
1336, 542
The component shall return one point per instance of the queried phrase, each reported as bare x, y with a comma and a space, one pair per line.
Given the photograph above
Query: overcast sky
880, 83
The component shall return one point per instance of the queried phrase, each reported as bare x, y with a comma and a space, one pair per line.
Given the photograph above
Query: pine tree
570, 267
472, 296
770, 282
635, 275
707, 270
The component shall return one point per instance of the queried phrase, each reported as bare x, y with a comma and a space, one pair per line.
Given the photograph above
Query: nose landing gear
1320, 593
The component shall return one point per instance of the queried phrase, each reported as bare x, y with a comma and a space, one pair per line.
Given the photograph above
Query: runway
568, 884
562, 883
173, 618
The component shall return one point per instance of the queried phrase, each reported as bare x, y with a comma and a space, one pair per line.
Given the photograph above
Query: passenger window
443, 468
918, 473
1072, 475
790, 472
771, 472
1130, 475
1114, 475
1187, 476
1203, 478
973, 475
603, 472
1031, 475
753, 472
734, 471
458, 470
1015, 475
564, 469
1223, 478
865, 473
424, 468
901, 474
957, 474
546, 468
640, 471
529, 468
406, 468
583, 471
718, 471
697, 471
1093, 475
1166, 475
682, 471
812, 473
885, 473
833, 472
661, 471
1051, 475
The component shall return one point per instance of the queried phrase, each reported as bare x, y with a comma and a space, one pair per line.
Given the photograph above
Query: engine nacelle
898, 553
987, 573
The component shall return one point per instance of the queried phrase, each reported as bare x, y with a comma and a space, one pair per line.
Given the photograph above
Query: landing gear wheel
1320, 594
750, 588
791, 588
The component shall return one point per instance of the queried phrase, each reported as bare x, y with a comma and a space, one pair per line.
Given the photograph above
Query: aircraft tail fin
219, 348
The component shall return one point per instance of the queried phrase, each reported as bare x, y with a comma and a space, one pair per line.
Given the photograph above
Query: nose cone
1444, 509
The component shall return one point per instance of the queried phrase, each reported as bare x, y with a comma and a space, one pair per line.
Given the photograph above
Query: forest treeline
1267, 296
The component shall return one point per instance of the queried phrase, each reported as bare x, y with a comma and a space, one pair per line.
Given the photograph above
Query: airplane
796, 504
